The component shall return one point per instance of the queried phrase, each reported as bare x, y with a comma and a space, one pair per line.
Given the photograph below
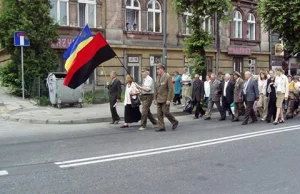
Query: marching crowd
271, 95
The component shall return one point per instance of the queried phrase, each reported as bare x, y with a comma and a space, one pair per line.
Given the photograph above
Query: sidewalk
16, 109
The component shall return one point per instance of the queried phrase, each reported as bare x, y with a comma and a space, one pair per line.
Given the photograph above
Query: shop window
134, 68
154, 61
87, 13
238, 64
133, 15
60, 11
252, 63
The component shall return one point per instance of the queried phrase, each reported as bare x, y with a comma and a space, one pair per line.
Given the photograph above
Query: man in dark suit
227, 95
115, 91
215, 96
197, 96
250, 94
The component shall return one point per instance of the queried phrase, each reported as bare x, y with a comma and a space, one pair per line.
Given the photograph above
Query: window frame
132, 7
154, 11
154, 65
131, 65
252, 66
185, 17
249, 23
241, 65
58, 19
94, 3
204, 24
237, 23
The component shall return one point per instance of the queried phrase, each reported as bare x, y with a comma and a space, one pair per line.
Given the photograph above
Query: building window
209, 67
185, 21
252, 63
87, 13
134, 68
154, 16
187, 63
60, 11
237, 22
154, 61
206, 25
238, 64
133, 15
251, 27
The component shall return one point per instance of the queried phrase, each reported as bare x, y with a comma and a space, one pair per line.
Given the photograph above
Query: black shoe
175, 125
160, 130
207, 118
235, 120
124, 126
268, 121
196, 118
244, 123
254, 121
222, 119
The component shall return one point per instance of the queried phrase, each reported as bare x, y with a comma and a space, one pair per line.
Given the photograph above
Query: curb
8, 117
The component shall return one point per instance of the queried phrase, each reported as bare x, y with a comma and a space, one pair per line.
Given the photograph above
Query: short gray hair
196, 75
227, 75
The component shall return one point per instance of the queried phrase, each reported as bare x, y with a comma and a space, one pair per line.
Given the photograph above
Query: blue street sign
21, 39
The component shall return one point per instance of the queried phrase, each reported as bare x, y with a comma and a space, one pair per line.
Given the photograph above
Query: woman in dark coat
271, 95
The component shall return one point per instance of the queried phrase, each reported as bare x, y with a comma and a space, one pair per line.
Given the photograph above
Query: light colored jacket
163, 89
282, 85
129, 90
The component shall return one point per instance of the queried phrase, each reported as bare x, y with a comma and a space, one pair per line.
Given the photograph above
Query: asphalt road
208, 157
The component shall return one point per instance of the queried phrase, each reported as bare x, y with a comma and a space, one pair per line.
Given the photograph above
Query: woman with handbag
132, 103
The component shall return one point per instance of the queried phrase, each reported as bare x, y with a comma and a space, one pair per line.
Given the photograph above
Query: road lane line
3, 172
176, 148
169, 147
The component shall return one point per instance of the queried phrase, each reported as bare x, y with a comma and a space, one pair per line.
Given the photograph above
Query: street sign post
21, 40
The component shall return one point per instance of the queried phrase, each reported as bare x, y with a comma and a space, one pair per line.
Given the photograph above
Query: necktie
245, 87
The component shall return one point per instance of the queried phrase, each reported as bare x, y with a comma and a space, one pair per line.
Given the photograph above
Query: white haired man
227, 95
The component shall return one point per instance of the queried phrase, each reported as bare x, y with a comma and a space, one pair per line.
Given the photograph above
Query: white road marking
148, 152
3, 172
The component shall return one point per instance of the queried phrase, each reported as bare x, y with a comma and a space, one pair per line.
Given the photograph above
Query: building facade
134, 29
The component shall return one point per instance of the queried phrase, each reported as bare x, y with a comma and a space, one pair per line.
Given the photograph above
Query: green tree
200, 39
282, 17
33, 17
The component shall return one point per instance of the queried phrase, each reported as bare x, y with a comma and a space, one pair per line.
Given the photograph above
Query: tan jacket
237, 90
163, 89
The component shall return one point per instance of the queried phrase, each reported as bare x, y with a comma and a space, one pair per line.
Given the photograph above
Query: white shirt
128, 91
282, 85
262, 87
148, 83
225, 87
185, 77
207, 88
245, 86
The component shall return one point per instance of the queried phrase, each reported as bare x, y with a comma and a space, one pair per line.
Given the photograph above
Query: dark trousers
146, 113
249, 112
199, 109
271, 110
238, 108
177, 98
225, 107
164, 110
113, 110
210, 107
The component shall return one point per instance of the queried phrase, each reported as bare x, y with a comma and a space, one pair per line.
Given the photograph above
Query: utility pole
217, 42
165, 60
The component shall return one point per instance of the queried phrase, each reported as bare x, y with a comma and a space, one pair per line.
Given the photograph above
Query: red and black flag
87, 60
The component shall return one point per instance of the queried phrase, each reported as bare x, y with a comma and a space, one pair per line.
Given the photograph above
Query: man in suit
227, 86
251, 94
115, 91
215, 96
197, 96
238, 101
163, 97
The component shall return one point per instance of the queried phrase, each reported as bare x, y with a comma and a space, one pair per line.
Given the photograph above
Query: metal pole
217, 42
289, 70
165, 61
22, 66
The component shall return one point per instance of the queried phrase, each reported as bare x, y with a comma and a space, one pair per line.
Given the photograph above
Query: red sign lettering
62, 43
239, 50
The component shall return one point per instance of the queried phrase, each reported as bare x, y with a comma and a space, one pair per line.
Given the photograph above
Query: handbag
135, 100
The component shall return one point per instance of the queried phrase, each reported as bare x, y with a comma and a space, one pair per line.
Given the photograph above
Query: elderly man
163, 97
227, 95
147, 90
250, 94
186, 85
215, 96
238, 101
197, 96
115, 91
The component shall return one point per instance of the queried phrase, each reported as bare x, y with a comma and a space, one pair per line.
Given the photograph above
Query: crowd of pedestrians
271, 95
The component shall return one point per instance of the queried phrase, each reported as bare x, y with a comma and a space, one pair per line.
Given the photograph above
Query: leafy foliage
282, 17
200, 39
33, 17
